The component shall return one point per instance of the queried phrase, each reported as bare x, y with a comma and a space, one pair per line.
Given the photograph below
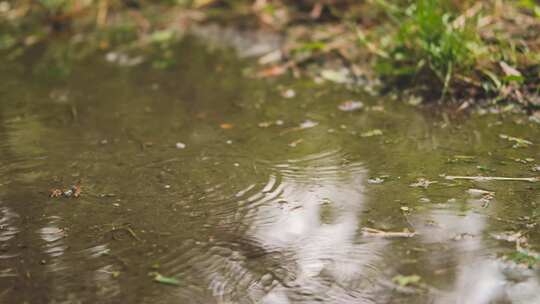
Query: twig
366, 231
494, 178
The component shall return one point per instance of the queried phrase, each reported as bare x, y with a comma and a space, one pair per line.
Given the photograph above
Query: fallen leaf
73, 191
55, 193
165, 280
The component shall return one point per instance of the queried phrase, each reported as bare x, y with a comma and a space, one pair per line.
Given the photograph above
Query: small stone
180, 145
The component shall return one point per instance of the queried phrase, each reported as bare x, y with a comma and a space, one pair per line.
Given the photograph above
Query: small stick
366, 231
494, 178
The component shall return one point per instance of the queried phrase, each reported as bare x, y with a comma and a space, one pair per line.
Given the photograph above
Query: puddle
256, 205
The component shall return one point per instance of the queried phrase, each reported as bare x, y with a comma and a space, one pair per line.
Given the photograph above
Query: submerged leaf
165, 280
403, 281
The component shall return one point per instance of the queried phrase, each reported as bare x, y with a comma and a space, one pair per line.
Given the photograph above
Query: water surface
267, 201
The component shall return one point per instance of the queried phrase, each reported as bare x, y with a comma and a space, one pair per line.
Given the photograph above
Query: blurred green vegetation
444, 50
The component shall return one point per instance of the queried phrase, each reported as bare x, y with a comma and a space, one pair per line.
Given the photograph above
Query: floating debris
159, 278
510, 236
519, 142
370, 133
366, 231
304, 125
403, 281
493, 178
375, 181
266, 124
295, 143
463, 158
405, 209
351, 105
123, 59
485, 168
180, 145
73, 191
462, 236
226, 126
523, 160
308, 124
480, 192
422, 183
485, 196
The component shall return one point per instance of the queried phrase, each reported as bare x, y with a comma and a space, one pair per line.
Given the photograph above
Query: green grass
429, 40
447, 49
441, 49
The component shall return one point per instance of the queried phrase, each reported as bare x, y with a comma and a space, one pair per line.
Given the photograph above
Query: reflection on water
480, 276
315, 221
248, 214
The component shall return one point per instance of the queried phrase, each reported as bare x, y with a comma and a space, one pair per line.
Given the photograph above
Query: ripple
7, 228
292, 237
